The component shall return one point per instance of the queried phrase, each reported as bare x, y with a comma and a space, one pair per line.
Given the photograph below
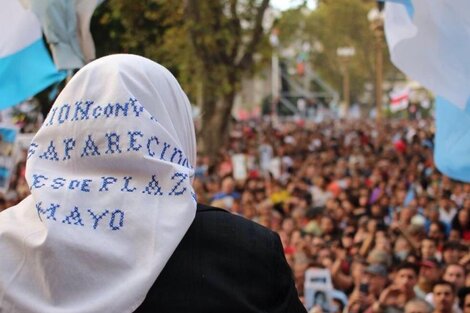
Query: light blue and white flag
452, 140
25, 65
432, 46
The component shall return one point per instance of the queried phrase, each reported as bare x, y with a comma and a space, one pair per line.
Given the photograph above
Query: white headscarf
110, 174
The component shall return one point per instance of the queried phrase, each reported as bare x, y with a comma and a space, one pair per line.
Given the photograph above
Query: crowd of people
362, 204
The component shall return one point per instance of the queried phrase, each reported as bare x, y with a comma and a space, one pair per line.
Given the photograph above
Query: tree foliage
334, 24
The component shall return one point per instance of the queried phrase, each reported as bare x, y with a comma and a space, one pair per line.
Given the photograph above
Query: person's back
225, 263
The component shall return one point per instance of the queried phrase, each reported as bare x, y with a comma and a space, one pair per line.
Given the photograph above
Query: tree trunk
216, 118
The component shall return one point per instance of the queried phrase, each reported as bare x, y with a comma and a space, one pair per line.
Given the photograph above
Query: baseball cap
377, 269
431, 263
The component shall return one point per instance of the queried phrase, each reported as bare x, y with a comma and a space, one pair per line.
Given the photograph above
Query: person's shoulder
203, 208
222, 216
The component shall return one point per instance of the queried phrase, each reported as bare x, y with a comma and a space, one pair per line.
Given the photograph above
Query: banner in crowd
399, 100
318, 288
432, 46
25, 65
7, 155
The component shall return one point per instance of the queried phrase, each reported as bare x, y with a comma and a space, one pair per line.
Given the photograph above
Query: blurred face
466, 304
296, 238
382, 243
288, 226
376, 210
317, 244
347, 241
406, 279
357, 271
428, 249
431, 274
454, 235
443, 298
376, 283
434, 232
327, 225
463, 217
299, 272
228, 185
455, 275
405, 215
451, 255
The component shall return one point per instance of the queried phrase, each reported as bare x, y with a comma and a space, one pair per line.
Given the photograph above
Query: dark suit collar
206, 208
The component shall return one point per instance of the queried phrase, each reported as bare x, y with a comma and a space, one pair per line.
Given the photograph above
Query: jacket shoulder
220, 216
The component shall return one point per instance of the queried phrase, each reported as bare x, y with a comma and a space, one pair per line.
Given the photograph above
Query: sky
286, 4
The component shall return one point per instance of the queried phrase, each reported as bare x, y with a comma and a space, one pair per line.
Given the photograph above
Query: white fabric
85, 9
432, 45
59, 21
23, 28
55, 256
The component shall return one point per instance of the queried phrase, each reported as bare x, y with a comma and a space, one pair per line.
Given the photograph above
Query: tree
208, 45
225, 35
334, 24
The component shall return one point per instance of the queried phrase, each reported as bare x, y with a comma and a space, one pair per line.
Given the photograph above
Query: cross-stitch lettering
149, 142
181, 177
127, 179
74, 184
51, 118
153, 187
97, 218
69, 144
109, 183
177, 152
86, 185
117, 220
74, 218
138, 108
58, 182
83, 110
88, 109
103, 219
50, 153
124, 108
38, 181
32, 149
113, 143
108, 110
90, 146
165, 147
132, 141
110, 143
64, 113
51, 210
97, 112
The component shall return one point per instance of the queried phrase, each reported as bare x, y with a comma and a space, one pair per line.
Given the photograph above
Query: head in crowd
444, 296
417, 306
454, 273
464, 299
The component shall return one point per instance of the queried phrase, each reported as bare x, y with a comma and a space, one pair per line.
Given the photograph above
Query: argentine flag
430, 42
432, 45
25, 65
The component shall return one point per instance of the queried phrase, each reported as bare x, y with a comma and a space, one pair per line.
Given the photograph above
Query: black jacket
225, 264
